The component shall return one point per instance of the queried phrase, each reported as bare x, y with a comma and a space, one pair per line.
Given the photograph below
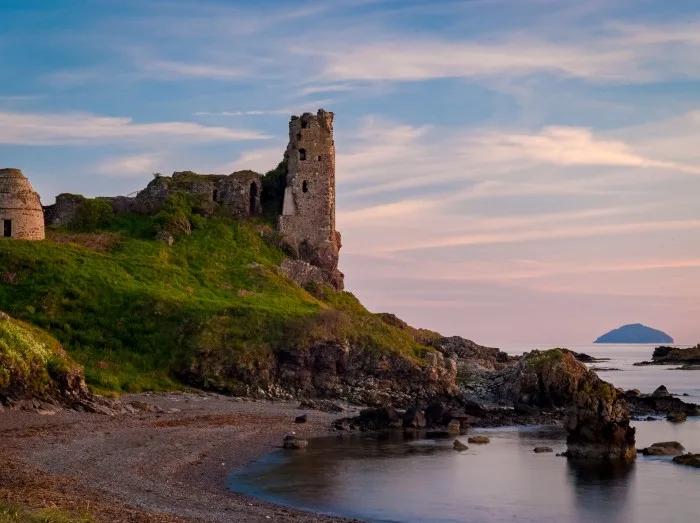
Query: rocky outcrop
332, 370
661, 401
466, 351
674, 356
597, 421
664, 448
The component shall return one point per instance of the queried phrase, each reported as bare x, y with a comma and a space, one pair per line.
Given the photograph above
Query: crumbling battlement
308, 213
238, 194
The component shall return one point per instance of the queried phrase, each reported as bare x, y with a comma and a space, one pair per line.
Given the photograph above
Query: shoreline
168, 466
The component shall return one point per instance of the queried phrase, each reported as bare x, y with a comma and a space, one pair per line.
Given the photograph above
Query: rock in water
479, 440
677, 417
692, 460
459, 446
597, 419
665, 448
292, 442
540, 450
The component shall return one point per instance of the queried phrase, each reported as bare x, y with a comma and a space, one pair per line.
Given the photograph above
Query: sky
511, 171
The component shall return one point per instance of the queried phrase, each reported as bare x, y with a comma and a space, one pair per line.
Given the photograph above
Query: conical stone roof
20, 206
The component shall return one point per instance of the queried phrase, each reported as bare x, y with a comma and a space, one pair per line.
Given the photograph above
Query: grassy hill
137, 313
30, 359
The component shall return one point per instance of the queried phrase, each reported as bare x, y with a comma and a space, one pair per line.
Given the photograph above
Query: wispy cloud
79, 128
195, 70
130, 165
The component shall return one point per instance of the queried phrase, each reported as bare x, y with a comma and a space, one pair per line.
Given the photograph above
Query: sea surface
412, 478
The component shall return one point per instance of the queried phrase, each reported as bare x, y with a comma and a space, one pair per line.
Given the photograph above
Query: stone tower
308, 213
21, 214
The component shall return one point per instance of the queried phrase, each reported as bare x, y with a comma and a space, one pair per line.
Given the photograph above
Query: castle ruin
307, 222
308, 211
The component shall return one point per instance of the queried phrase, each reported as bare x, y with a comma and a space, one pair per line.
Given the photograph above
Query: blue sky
513, 171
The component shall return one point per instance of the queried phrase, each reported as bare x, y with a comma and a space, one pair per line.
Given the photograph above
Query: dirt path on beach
166, 466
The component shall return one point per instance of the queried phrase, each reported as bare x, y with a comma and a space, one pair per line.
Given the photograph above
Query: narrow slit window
7, 228
302, 154
216, 195
305, 186
253, 204
319, 157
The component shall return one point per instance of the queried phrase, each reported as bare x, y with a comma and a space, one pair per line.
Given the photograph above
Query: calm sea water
413, 478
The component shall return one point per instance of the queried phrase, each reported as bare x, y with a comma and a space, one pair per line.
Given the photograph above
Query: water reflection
416, 477
602, 489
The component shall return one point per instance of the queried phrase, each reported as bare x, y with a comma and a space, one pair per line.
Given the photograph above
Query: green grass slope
30, 360
135, 312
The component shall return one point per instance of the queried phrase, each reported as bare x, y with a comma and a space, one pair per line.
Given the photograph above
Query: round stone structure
21, 214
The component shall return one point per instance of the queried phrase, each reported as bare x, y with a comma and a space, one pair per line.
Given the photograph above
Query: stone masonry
308, 214
21, 215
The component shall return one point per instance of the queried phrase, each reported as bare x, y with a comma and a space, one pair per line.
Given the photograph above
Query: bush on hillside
93, 214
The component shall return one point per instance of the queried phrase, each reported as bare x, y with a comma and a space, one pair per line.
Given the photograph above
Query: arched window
305, 186
253, 206
302, 154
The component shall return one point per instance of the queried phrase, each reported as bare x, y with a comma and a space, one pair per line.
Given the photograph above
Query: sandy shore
150, 466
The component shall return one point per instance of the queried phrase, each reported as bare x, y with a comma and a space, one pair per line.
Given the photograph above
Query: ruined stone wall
308, 215
20, 205
238, 193
64, 210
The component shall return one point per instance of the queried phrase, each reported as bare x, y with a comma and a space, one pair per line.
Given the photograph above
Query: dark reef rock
541, 450
414, 418
692, 460
661, 401
677, 417
689, 358
459, 446
665, 448
636, 333
292, 442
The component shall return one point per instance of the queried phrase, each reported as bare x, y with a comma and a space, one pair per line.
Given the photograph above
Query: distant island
636, 333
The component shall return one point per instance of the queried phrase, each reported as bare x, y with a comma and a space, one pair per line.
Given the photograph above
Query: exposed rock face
334, 370
308, 213
302, 272
597, 420
476, 355
21, 214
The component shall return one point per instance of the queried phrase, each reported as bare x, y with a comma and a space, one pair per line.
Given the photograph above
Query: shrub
92, 214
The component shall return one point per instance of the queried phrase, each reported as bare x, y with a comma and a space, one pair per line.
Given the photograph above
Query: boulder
379, 418
677, 417
479, 440
301, 419
692, 460
414, 418
540, 450
459, 446
661, 392
292, 442
664, 448
165, 237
